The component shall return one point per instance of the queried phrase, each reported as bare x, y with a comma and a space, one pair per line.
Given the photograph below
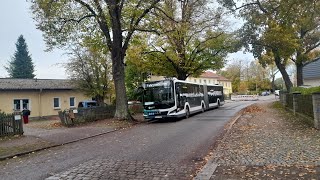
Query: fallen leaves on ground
253, 109
272, 138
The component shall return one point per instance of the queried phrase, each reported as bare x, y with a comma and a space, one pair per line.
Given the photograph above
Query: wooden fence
71, 117
10, 124
83, 115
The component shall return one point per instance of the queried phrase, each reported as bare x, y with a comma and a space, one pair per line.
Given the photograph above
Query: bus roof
187, 82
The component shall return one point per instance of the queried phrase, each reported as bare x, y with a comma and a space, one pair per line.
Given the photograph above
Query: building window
209, 81
199, 80
72, 101
20, 104
205, 81
56, 103
195, 80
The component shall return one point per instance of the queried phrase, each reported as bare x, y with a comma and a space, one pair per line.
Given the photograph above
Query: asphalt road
178, 142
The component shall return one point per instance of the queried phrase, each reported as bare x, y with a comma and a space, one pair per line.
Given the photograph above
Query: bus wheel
187, 113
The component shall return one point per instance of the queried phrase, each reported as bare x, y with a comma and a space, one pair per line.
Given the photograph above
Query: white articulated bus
175, 98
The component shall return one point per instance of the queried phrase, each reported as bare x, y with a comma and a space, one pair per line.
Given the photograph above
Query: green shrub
4, 115
277, 105
306, 91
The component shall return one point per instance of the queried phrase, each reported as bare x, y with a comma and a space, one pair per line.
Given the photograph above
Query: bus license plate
155, 113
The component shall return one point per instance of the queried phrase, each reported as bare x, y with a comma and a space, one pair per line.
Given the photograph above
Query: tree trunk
100, 100
272, 83
299, 67
283, 71
117, 56
122, 111
182, 76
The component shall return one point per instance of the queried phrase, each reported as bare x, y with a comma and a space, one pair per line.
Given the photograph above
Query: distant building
311, 73
43, 97
207, 77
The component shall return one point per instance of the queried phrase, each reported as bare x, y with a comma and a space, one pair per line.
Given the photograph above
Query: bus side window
178, 93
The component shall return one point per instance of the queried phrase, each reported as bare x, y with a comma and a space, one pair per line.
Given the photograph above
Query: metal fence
95, 113
303, 103
305, 106
10, 124
289, 99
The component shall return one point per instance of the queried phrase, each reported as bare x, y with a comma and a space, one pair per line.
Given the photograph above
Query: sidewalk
267, 142
39, 135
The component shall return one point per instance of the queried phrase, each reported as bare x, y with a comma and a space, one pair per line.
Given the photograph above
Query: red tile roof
208, 74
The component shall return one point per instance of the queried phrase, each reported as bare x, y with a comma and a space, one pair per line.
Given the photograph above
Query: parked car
265, 93
87, 104
133, 102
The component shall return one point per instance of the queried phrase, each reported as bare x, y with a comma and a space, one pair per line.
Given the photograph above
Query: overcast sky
16, 19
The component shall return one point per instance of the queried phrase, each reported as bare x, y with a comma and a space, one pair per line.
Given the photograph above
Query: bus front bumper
159, 117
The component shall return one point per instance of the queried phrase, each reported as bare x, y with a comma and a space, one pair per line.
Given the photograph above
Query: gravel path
268, 142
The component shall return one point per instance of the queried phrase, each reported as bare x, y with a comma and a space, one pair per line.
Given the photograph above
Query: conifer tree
21, 65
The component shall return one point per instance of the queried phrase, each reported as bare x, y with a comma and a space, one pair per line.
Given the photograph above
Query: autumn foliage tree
247, 76
233, 72
190, 38
286, 29
117, 20
138, 66
90, 69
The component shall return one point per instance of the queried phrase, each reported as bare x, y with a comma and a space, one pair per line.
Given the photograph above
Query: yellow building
207, 77
43, 97
212, 78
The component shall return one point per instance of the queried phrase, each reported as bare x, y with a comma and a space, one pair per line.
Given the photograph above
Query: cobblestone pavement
117, 169
268, 142
41, 134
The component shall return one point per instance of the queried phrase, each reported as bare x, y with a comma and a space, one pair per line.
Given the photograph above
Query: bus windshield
158, 93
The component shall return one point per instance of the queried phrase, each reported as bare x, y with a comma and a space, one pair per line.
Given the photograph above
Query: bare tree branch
312, 48
86, 6
65, 21
102, 21
135, 24
166, 15
250, 4
149, 30
121, 4
197, 50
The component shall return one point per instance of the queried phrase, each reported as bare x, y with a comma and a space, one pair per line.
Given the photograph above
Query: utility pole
240, 70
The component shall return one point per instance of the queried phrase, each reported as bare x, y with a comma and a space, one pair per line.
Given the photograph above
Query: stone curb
52, 146
210, 167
